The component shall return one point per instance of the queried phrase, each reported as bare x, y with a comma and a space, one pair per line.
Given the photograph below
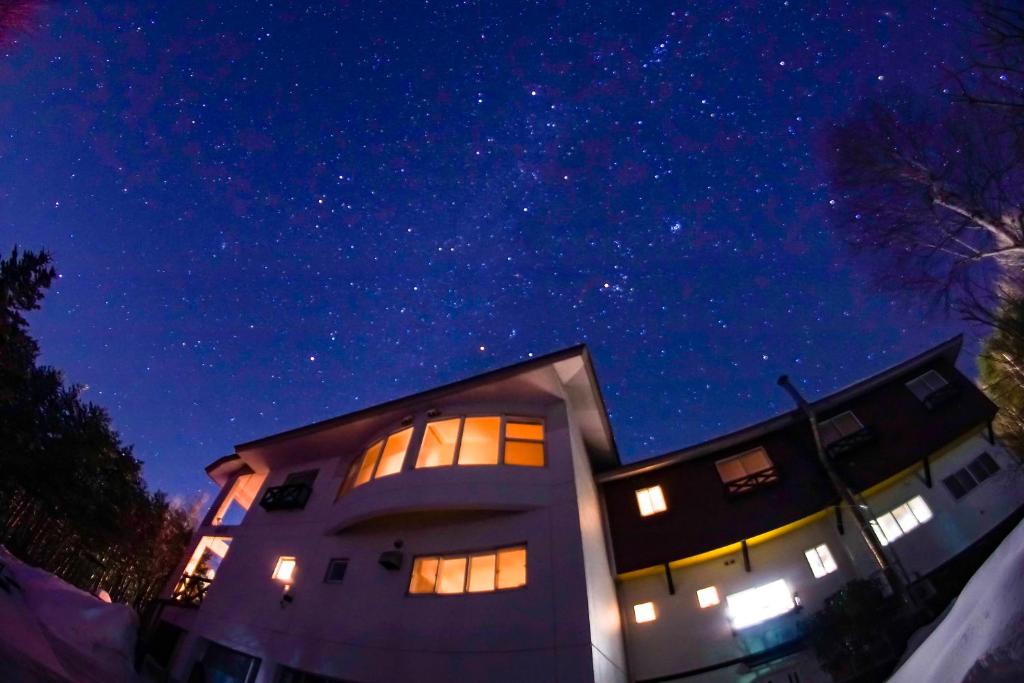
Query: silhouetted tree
1002, 373
72, 497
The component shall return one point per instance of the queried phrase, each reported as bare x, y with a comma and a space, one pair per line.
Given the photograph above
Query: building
486, 531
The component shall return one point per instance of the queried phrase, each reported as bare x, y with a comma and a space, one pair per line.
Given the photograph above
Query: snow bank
981, 637
60, 628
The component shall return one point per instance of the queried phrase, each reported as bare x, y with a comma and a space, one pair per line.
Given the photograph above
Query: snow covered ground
52, 632
980, 639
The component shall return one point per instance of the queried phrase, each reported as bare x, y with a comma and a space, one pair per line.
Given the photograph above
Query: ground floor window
481, 572
223, 665
758, 604
901, 520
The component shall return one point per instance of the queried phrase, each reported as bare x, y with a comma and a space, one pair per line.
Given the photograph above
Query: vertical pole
846, 495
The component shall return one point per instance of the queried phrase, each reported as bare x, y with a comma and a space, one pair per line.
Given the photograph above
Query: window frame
504, 419
879, 532
924, 377
646, 490
816, 551
468, 556
831, 423
330, 564
747, 483
281, 560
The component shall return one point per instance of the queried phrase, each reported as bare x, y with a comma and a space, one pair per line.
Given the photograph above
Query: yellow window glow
393, 455
480, 441
651, 501
368, 463
285, 569
511, 568
644, 612
451, 575
481, 573
524, 430
439, 441
524, 453
708, 597
424, 574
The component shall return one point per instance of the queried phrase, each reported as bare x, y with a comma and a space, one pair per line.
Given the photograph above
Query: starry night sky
265, 215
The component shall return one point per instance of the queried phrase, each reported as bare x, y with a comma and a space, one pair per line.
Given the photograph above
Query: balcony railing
752, 481
941, 396
850, 442
286, 497
191, 590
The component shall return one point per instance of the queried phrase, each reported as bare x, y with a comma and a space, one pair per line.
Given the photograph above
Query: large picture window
482, 572
482, 441
759, 604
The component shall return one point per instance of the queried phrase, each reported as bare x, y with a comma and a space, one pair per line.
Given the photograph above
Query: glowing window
439, 443
477, 573
651, 501
644, 612
708, 597
759, 604
393, 455
285, 569
367, 464
451, 575
901, 520
424, 575
511, 568
838, 427
479, 445
524, 444
481, 573
821, 561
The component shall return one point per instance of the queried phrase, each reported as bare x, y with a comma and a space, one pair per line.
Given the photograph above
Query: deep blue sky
266, 215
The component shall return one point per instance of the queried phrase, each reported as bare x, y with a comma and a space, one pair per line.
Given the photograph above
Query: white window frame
830, 431
930, 381
821, 561
739, 457
919, 513
651, 500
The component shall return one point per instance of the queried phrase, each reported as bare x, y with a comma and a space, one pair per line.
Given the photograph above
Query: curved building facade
486, 531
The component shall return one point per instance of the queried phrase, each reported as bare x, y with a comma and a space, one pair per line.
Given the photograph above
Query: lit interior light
759, 604
651, 501
708, 597
285, 569
644, 612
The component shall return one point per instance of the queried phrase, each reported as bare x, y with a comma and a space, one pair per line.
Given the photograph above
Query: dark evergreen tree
72, 497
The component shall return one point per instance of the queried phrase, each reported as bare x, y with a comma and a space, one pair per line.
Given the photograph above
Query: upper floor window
839, 427
476, 573
383, 457
901, 520
927, 384
746, 471
478, 441
966, 478
651, 500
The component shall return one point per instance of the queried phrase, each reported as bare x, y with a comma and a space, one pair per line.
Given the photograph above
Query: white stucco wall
685, 637
368, 628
